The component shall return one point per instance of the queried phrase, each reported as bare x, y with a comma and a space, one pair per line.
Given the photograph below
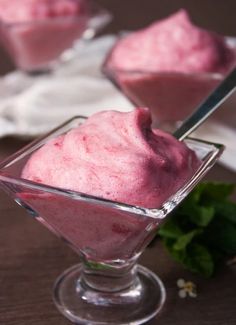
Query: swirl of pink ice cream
173, 44
116, 156
16, 11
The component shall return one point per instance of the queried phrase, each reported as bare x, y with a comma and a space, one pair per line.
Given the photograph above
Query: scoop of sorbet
173, 44
115, 156
27, 10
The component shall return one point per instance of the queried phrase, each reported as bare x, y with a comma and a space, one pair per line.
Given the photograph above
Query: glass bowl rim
155, 213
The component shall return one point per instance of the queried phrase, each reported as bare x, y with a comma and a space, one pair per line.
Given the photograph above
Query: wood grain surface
31, 257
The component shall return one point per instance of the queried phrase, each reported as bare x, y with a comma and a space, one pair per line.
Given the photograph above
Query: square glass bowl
34, 46
171, 96
108, 287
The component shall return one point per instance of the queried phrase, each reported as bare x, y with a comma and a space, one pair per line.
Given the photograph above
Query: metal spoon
216, 98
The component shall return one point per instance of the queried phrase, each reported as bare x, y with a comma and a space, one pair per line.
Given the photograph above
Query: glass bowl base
134, 305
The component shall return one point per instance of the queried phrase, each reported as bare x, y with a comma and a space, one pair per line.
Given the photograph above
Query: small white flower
182, 293
187, 288
192, 294
180, 283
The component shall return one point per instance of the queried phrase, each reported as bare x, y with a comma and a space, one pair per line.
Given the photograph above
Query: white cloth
217, 132
30, 106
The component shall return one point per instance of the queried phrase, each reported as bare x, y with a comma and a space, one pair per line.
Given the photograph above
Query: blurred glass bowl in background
171, 96
36, 46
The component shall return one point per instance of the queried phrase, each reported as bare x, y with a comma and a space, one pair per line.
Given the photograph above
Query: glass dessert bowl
170, 66
171, 96
161, 91
108, 287
38, 45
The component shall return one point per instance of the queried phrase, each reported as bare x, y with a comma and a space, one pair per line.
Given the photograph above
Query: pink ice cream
37, 32
115, 156
170, 66
21, 11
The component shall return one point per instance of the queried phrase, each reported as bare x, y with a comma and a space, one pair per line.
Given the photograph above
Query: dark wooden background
31, 257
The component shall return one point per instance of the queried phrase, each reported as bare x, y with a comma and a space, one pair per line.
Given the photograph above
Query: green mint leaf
184, 240
218, 191
201, 232
222, 236
201, 215
170, 229
198, 259
177, 255
196, 194
226, 209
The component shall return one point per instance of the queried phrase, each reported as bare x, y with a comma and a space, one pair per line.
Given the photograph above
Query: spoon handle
216, 98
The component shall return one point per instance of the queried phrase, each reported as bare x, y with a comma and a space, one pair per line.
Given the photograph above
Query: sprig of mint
201, 232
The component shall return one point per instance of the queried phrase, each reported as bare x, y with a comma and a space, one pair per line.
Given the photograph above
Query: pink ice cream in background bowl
37, 33
170, 66
104, 184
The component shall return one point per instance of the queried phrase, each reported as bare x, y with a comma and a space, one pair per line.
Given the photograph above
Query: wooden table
31, 257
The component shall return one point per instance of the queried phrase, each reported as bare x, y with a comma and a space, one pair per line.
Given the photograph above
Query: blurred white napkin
215, 131
30, 106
